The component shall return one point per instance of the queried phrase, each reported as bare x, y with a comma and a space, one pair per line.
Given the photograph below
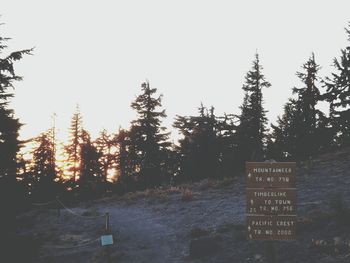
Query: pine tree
307, 97
148, 136
126, 160
44, 167
303, 130
227, 143
9, 143
251, 131
122, 143
338, 95
91, 174
105, 145
199, 149
10, 193
73, 149
283, 140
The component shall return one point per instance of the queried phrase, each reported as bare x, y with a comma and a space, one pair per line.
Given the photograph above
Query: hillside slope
205, 223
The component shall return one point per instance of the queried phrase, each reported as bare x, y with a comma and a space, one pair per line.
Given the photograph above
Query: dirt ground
205, 223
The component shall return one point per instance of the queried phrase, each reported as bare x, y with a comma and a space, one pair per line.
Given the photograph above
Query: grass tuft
187, 195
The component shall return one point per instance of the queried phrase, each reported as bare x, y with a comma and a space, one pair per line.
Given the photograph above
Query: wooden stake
107, 231
107, 224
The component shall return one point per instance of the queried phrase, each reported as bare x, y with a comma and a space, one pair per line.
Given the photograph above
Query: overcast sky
97, 54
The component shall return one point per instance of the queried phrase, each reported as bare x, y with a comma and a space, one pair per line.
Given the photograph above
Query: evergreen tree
91, 174
199, 149
170, 166
123, 162
338, 94
105, 145
283, 141
148, 136
73, 149
303, 130
227, 143
128, 160
307, 97
251, 131
9, 143
10, 192
44, 167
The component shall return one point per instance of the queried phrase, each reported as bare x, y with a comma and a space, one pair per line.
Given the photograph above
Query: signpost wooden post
271, 201
107, 239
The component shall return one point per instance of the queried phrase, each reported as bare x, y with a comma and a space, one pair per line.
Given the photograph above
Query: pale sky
97, 54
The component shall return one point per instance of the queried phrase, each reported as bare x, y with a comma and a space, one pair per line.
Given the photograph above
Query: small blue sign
107, 240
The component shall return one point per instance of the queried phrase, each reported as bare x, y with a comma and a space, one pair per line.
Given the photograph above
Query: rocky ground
204, 222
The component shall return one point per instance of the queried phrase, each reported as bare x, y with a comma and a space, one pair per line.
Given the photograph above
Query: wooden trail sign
271, 200
271, 175
272, 227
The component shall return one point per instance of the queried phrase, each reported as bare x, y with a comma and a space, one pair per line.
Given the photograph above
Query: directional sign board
271, 227
271, 175
271, 200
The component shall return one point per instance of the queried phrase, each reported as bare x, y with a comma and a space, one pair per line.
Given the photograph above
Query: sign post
271, 202
107, 239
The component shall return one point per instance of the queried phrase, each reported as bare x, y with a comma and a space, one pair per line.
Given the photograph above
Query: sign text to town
271, 200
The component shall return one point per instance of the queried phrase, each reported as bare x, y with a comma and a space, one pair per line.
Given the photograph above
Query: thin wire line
70, 247
76, 214
43, 204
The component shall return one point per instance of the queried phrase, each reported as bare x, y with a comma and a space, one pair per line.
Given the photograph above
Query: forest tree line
211, 146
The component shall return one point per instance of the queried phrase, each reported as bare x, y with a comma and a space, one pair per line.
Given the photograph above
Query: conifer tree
9, 125
121, 140
303, 130
251, 131
73, 148
128, 161
307, 98
227, 143
338, 95
44, 167
91, 174
148, 136
283, 140
10, 193
199, 150
105, 144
